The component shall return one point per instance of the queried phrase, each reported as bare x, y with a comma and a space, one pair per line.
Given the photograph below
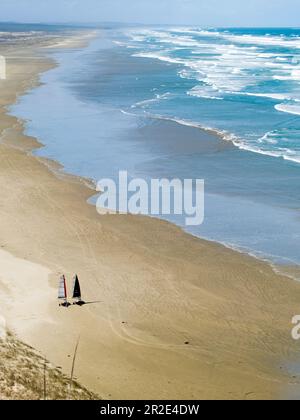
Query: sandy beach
170, 316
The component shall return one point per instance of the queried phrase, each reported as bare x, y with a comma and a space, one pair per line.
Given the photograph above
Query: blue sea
139, 98
244, 83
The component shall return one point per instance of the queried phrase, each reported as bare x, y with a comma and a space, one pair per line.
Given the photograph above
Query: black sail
76, 291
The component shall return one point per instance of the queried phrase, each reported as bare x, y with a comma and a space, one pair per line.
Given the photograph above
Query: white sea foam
204, 92
163, 37
290, 109
210, 34
223, 67
293, 74
283, 153
224, 64
264, 40
275, 96
255, 40
147, 102
159, 56
271, 137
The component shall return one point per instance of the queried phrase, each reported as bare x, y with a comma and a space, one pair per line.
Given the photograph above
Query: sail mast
65, 288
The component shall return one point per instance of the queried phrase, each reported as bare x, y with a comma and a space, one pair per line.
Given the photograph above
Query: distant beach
174, 316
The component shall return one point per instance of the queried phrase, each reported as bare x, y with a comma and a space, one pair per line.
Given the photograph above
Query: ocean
221, 105
239, 81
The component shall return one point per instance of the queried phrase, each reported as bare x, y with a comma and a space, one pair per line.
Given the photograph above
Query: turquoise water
135, 99
244, 82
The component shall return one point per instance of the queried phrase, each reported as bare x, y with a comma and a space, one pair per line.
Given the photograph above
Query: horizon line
77, 23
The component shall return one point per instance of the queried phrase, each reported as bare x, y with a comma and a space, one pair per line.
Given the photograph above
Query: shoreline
291, 270
228, 137
160, 142
139, 343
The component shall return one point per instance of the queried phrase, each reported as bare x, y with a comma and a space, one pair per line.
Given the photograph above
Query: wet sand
169, 315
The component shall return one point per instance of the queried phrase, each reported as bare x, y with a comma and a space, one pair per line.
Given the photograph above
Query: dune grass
25, 375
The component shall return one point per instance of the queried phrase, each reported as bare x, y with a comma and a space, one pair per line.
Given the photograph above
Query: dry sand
173, 316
